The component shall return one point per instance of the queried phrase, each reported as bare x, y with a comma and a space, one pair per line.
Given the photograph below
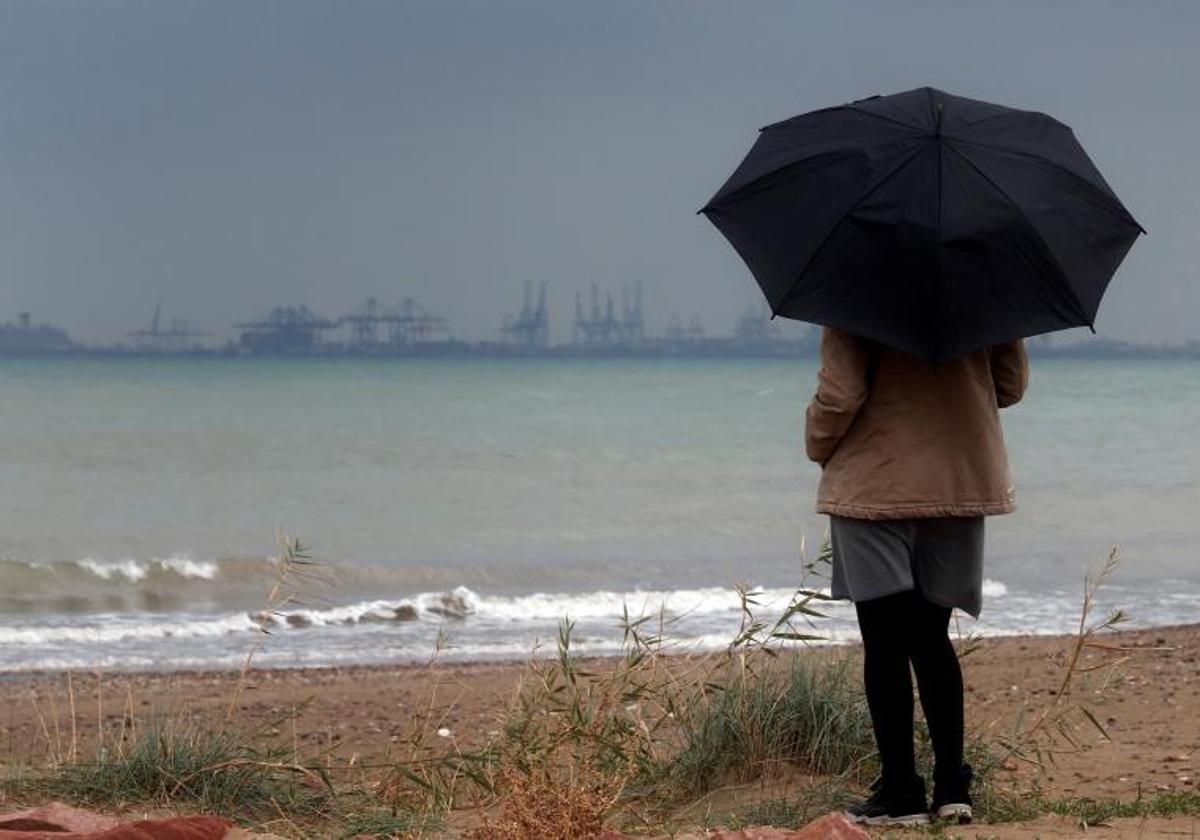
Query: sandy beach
360, 717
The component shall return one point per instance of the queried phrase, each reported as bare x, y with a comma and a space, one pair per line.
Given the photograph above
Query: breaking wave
100, 585
459, 604
135, 571
410, 628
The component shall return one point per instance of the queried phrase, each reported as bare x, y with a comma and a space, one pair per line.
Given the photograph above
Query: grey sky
222, 157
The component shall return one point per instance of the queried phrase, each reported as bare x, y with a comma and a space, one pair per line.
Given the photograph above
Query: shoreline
501, 660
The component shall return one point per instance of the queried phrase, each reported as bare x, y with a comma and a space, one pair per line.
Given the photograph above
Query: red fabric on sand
61, 822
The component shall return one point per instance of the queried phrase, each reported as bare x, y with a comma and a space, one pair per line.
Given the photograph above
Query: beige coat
899, 437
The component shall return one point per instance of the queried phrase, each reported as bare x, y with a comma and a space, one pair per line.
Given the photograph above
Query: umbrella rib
1011, 112
893, 120
1070, 296
1110, 196
825, 239
751, 187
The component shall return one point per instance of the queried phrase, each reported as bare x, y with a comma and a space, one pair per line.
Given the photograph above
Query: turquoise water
149, 486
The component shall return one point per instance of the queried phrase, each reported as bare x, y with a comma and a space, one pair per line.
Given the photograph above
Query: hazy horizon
222, 158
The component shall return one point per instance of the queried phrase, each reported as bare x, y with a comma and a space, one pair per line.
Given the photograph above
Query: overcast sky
223, 157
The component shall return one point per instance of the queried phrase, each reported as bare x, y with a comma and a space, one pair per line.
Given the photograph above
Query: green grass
1094, 811
808, 714
176, 765
383, 823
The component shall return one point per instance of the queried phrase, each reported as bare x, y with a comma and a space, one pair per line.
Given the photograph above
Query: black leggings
896, 630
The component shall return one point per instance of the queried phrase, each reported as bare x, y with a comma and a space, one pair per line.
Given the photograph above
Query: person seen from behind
912, 459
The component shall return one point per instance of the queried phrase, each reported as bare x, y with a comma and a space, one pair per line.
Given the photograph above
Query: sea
464, 509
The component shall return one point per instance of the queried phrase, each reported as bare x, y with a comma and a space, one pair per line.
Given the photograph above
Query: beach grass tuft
175, 764
806, 712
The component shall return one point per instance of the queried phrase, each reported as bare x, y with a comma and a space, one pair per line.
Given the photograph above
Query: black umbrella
925, 221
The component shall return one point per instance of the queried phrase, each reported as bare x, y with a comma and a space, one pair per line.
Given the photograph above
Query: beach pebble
833, 826
444, 733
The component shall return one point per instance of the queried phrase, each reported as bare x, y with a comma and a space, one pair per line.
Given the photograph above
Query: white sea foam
464, 603
994, 589
131, 570
542, 607
349, 614
183, 565
611, 604
106, 629
136, 571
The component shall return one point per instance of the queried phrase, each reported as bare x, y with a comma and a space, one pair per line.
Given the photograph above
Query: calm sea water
488, 498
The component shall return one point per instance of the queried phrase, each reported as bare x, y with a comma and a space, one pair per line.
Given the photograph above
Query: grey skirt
942, 558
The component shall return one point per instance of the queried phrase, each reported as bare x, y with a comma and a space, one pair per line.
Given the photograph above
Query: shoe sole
904, 819
955, 812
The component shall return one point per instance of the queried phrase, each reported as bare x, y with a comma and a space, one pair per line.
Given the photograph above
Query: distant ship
24, 337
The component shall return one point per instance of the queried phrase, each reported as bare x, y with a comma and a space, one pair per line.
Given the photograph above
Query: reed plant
292, 571
1038, 739
635, 737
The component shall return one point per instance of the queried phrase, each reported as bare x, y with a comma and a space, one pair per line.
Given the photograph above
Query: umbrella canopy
925, 221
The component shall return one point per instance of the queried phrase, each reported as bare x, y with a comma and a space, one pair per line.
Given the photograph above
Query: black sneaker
952, 796
892, 807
